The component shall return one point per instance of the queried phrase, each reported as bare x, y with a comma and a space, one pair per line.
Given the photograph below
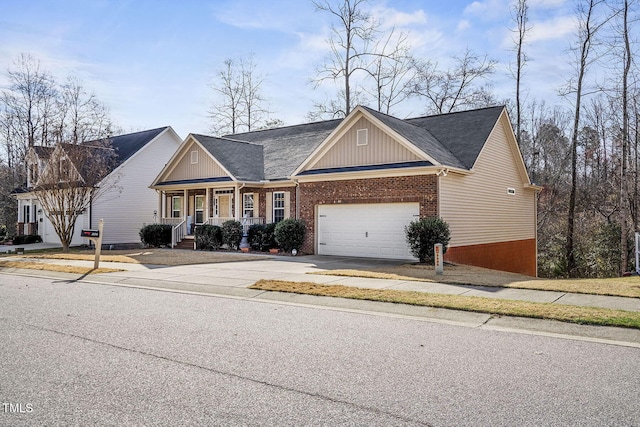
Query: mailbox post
96, 237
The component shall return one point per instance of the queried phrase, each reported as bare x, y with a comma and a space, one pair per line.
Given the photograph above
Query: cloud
487, 9
545, 4
463, 24
556, 28
393, 18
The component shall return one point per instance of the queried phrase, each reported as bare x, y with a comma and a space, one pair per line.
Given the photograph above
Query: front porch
187, 208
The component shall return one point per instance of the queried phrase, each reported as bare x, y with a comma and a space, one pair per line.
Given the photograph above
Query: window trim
276, 208
246, 197
173, 205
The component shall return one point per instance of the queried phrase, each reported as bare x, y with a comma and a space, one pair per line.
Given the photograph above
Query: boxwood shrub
423, 233
208, 237
289, 234
25, 239
261, 237
156, 235
232, 233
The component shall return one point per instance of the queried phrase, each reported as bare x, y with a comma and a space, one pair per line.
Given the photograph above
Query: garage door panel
365, 230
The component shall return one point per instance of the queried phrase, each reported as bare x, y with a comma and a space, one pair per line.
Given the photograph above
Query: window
361, 137
247, 205
26, 214
194, 157
278, 206
176, 204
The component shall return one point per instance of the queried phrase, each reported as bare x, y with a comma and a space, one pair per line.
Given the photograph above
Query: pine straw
55, 267
464, 275
494, 306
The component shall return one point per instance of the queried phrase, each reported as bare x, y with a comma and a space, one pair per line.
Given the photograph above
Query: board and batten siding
478, 208
379, 149
205, 167
125, 212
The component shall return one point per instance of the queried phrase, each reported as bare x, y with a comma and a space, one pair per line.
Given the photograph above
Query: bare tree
351, 41
240, 105
520, 15
587, 29
456, 87
391, 72
73, 178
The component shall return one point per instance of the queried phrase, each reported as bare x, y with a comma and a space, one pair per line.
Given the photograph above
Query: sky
153, 62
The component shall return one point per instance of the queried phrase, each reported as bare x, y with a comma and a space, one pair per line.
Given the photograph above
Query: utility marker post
437, 256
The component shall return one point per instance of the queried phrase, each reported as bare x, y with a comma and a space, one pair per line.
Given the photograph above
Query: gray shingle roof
245, 161
463, 133
127, 145
453, 140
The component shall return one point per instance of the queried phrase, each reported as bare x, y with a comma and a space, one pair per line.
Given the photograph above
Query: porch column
236, 202
160, 203
206, 204
186, 204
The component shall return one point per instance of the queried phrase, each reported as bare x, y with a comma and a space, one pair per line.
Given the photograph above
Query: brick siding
422, 189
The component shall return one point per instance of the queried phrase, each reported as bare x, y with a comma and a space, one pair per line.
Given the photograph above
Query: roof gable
373, 147
186, 166
463, 133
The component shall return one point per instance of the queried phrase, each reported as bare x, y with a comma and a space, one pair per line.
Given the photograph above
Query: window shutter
256, 206
269, 213
287, 203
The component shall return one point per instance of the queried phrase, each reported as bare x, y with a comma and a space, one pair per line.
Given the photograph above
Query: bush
289, 234
423, 233
26, 239
3, 232
261, 237
232, 233
208, 237
156, 235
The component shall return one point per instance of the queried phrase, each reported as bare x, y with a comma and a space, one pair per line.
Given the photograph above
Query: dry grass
564, 313
169, 257
476, 276
55, 267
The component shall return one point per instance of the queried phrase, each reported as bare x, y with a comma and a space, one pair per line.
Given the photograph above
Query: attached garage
373, 230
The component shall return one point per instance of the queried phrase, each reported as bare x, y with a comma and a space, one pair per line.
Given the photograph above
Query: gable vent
194, 157
362, 137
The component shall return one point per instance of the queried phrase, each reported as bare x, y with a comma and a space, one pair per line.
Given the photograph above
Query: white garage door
365, 230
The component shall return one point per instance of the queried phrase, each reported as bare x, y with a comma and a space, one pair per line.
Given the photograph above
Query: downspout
297, 198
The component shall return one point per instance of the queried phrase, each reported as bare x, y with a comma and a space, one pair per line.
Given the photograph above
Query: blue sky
153, 61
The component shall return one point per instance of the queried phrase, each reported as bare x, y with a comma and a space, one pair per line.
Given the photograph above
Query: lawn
494, 306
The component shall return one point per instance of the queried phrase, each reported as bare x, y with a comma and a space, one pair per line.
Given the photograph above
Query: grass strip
560, 312
628, 287
85, 257
54, 267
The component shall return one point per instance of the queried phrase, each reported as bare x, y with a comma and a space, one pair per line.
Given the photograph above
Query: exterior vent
511, 191
194, 157
362, 137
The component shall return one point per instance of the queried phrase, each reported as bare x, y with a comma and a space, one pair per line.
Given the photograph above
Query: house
357, 182
126, 204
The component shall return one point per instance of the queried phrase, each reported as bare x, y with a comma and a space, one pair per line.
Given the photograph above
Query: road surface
83, 354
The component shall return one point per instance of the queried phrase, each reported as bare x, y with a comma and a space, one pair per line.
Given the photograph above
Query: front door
199, 209
224, 206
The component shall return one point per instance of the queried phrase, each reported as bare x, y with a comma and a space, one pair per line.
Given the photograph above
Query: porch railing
249, 221
177, 234
171, 221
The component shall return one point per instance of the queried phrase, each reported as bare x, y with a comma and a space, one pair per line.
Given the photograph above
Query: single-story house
357, 182
127, 202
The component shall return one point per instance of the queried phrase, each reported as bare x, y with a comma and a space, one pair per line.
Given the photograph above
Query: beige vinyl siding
205, 168
131, 203
380, 149
477, 206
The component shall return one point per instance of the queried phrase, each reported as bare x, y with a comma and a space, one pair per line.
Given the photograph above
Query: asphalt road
83, 354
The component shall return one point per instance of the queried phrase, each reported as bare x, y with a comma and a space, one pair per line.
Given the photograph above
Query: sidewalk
233, 278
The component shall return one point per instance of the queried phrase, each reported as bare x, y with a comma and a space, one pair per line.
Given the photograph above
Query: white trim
362, 137
379, 173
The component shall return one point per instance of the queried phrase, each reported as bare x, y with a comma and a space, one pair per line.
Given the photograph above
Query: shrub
3, 232
232, 233
156, 235
423, 233
289, 234
26, 239
208, 237
261, 237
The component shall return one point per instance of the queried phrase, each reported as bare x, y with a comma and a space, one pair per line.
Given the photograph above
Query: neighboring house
359, 181
127, 202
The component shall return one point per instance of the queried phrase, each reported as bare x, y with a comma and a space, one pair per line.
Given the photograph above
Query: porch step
187, 243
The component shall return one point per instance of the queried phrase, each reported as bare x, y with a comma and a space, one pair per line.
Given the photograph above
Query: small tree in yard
73, 178
289, 234
423, 233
